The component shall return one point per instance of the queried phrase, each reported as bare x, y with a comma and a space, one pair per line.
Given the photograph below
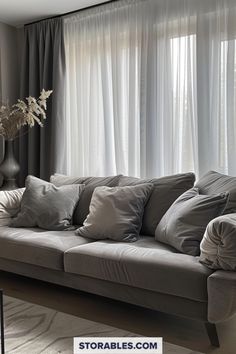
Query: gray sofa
145, 273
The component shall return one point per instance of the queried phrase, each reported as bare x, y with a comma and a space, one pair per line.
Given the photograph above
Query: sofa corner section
221, 286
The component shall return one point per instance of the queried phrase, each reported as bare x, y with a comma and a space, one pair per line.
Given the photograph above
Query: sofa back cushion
165, 191
61, 180
214, 182
184, 224
82, 208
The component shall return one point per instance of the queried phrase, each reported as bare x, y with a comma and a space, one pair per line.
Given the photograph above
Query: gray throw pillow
82, 209
218, 246
165, 191
116, 213
184, 224
47, 206
214, 182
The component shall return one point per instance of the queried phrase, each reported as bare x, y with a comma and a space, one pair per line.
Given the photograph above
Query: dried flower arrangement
27, 112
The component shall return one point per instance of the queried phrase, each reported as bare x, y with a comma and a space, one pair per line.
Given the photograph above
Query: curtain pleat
42, 151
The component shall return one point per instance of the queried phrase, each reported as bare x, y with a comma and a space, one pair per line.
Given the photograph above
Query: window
151, 89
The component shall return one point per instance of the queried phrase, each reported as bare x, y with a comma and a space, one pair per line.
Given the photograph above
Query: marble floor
176, 331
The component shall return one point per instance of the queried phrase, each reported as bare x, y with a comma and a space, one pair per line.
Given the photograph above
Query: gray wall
9, 69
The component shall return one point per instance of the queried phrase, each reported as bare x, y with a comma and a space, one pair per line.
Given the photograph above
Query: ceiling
19, 12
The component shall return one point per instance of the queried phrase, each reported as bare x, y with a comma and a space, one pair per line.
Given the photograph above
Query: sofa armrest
221, 286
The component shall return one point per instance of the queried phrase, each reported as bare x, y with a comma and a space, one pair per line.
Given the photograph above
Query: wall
9, 71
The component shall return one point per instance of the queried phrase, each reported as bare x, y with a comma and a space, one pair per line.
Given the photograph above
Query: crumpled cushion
218, 246
10, 205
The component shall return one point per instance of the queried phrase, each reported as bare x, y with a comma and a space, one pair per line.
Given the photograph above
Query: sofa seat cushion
37, 246
145, 264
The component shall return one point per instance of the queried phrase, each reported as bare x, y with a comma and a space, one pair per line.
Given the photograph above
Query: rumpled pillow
82, 209
165, 191
218, 247
116, 213
10, 205
47, 206
184, 224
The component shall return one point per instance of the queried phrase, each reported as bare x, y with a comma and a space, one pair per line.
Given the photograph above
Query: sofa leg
212, 334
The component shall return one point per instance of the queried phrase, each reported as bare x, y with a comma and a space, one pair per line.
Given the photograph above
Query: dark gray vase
9, 167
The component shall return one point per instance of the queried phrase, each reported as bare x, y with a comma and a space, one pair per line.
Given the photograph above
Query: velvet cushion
214, 182
145, 264
82, 208
47, 206
61, 180
116, 213
184, 224
37, 246
165, 191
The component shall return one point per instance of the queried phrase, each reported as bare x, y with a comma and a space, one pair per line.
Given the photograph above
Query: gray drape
42, 151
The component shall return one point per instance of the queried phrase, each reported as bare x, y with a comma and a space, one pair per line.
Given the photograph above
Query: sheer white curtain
151, 88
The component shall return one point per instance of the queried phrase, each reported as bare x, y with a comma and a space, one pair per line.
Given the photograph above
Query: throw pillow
82, 208
47, 206
165, 191
116, 213
218, 246
184, 223
214, 182
10, 205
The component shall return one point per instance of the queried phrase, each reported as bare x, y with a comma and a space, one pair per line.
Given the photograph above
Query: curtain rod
70, 12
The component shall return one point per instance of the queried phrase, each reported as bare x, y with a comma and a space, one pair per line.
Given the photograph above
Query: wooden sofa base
212, 334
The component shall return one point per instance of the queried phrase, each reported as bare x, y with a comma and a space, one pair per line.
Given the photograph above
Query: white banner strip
121, 345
